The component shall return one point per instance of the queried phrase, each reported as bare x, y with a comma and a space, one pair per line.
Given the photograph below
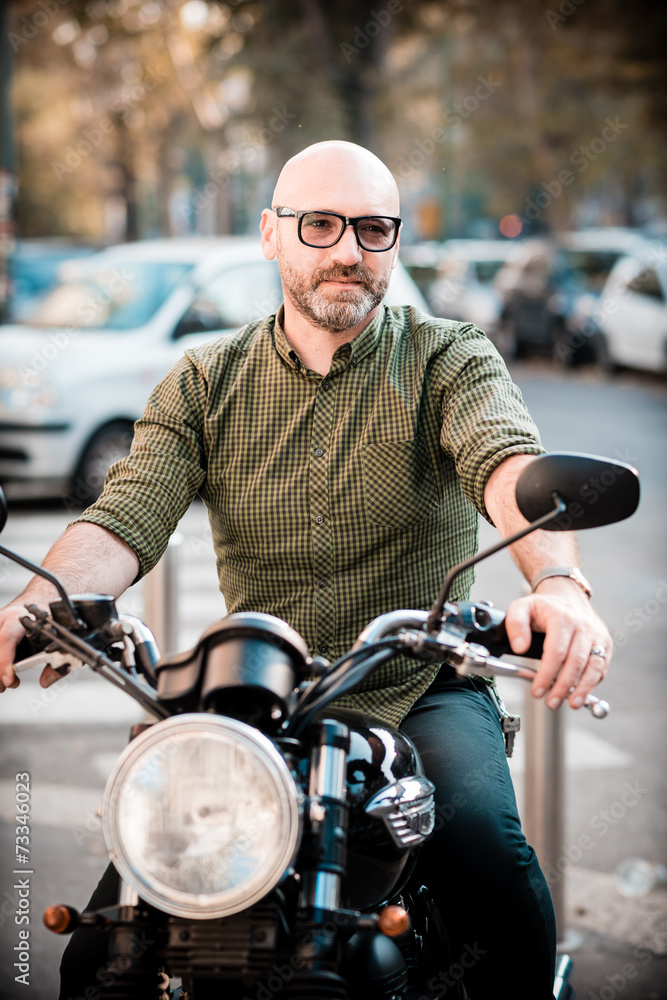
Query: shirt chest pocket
399, 484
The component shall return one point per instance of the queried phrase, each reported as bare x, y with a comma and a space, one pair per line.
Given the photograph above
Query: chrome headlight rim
224, 903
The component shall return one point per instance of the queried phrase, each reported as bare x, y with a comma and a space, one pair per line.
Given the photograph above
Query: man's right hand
88, 559
11, 633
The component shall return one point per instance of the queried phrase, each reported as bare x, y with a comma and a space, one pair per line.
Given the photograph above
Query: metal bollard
161, 597
543, 812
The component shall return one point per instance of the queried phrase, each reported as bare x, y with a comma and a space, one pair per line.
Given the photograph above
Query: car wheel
104, 448
602, 354
564, 350
571, 348
520, 349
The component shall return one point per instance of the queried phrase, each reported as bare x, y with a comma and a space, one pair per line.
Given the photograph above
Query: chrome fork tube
327, 814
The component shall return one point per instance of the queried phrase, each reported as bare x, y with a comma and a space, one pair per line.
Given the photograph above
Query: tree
478, 106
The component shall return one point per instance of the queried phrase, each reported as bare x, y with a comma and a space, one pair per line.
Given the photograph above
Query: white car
464, 288
627, 324
76, 375
543, 282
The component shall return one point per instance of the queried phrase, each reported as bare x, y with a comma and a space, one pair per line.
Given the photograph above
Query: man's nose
347, 250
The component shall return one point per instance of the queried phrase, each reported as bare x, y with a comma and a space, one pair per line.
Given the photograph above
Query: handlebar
458, 644
62, 648
476, 660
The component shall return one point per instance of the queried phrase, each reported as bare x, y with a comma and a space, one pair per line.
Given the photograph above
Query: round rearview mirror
595, 490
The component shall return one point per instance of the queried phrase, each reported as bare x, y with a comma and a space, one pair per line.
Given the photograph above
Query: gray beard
349, 307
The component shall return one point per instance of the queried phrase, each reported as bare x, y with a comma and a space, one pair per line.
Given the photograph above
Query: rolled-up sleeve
484, 417
146, 494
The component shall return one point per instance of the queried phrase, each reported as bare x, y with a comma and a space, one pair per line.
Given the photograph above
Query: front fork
324, 853
327, 819
131, 969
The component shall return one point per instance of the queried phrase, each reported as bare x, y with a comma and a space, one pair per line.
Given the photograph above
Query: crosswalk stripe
92, 701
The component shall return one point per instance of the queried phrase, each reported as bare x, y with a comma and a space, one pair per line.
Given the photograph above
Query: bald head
337, 176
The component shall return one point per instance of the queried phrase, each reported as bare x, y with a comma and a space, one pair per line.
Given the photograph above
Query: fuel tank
392, 810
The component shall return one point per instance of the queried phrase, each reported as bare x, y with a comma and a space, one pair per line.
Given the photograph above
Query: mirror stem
434, 620
74, 622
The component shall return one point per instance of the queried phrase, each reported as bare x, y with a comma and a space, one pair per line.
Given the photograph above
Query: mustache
356, 272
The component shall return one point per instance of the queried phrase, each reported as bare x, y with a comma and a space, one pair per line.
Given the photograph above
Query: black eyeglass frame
282, 212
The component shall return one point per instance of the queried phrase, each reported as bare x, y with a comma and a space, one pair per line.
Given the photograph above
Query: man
338, 445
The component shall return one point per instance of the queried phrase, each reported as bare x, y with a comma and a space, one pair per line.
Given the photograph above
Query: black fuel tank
380, 759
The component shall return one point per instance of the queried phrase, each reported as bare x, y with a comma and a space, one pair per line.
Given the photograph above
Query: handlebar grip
25, 649
490, 631
534, 651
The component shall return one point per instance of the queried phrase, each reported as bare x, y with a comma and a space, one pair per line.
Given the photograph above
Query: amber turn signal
59, 919
394, 921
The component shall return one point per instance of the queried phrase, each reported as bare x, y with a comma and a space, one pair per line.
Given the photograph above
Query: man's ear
395, 260
267, 227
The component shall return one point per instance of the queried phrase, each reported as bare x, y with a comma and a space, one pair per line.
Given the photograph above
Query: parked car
457, 276
464, 287
75, 377
33, 269
421, 262
542, 280
627, 323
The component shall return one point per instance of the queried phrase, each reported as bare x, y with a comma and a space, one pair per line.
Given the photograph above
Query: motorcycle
266, 841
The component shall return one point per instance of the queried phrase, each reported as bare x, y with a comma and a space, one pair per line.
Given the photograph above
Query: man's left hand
572, 631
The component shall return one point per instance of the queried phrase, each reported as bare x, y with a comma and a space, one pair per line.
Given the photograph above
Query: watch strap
573, 572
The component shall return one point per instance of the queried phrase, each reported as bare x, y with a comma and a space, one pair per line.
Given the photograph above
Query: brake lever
60, 662
472, 658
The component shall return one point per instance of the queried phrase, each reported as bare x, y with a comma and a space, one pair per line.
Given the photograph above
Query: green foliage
140, 117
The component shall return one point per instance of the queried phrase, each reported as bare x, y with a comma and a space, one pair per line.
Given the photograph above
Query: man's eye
319, 224
375, 227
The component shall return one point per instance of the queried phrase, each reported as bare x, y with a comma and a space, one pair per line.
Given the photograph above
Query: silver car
76, 375
627, 324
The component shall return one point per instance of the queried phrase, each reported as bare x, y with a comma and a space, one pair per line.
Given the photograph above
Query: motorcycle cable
43, 626
368, 660
70, 617
353, 656
434, 620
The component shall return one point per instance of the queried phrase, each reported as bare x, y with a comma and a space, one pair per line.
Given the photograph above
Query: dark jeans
84, 968
485, 877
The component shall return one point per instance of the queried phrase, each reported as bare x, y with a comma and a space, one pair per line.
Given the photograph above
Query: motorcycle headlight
201, 816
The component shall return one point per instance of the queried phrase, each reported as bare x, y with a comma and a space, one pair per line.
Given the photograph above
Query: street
67, 738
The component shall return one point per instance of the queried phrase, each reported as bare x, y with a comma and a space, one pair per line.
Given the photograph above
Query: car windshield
486, 270
587, 269
119, 296
32, 275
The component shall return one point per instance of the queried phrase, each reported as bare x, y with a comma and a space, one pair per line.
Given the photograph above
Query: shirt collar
347, 354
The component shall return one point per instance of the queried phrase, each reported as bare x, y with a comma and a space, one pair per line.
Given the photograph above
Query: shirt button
323, 650
319, 519
319, 451
323, 583
326, 386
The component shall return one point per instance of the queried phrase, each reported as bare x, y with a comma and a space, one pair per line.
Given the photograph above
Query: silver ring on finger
598, 651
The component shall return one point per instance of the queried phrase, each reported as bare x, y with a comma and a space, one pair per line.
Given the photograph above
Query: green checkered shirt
332, 499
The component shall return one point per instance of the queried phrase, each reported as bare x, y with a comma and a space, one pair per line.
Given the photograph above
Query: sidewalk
618, 945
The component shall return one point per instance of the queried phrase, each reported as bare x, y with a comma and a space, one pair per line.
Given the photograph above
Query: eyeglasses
324, 229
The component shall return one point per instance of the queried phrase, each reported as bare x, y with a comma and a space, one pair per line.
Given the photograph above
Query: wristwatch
573, 572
